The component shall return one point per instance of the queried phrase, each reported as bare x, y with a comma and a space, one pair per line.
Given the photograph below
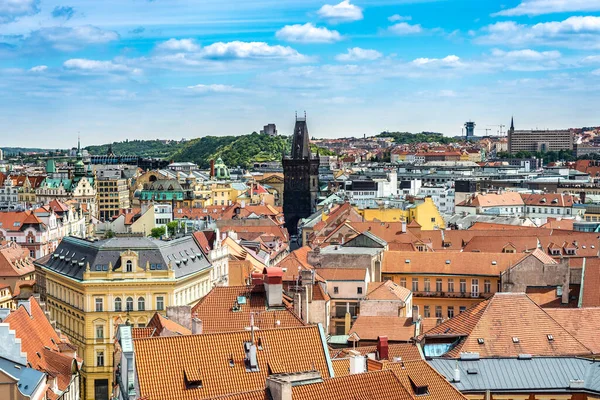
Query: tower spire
512, 123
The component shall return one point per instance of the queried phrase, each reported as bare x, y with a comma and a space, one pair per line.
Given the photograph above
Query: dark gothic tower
301, 178
511, 131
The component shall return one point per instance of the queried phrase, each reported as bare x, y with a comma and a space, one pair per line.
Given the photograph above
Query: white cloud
98, 67
342, 12
539, 7
526, 54
358, 54
398, 17
10, 10
188, 45
573, 32
307, 33
447, 93
68, 39
214, 88
249, 50
450, 61
403, 28
38, 68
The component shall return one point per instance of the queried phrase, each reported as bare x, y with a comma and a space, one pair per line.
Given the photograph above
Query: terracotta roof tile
418, 373
546, 297
161, 361
591, 283
342, 274
397, 329
491, 321
140, 333
162, 324
15, 221
580, 322
550, 199
406, 351
215, 310
448, 263
15, 261
341, 367
387, 290
41, 343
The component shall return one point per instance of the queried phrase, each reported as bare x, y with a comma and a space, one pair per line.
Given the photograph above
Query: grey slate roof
29, 378
516, 375
158, 253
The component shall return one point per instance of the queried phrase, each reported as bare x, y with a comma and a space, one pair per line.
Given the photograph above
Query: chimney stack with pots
273, 282
382, 347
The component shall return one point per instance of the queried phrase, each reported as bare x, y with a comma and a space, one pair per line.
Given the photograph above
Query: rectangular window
438, 311
451, 285
450, 311
438, 285
415, 285
463, 285
99, 304
359, 290
160, 303
426, 312
427, 285
99, 332
100, 359
462, 309
403, 282
487, 286
336, 290
32, 253
474, 287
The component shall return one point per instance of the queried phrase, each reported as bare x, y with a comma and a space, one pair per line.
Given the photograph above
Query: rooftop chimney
273, 281
456, 373
382, 347
357, 364
196, 326
280, 385
257, 278
212, 168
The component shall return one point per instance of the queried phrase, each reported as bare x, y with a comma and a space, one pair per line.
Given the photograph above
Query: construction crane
500, 129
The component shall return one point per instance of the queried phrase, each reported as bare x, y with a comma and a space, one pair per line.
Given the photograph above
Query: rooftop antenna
252, 327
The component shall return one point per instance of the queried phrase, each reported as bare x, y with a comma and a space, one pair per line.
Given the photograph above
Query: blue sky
117, 69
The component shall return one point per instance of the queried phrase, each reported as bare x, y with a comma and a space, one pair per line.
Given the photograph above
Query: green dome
221, 170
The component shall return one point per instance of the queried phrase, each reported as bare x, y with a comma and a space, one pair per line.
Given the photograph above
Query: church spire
512, 123
300, 139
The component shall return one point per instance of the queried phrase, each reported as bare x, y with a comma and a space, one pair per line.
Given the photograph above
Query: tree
173, 227
109, 234
158, 232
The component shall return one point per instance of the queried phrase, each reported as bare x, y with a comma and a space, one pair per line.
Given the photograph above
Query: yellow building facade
425, 213
91, 287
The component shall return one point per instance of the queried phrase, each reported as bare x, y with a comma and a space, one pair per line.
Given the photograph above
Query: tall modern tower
300, 178
470, 129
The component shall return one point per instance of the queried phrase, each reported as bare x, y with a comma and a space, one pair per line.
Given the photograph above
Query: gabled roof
506, 199
15, 261
41, 343
499, 321
342, 274
216, 310
580, 322
164, 326
387, 290
217, 360
16, 221
419, 373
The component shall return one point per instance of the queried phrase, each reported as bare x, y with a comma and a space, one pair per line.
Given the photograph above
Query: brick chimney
212, 168
382, 347
257, 278
273, 282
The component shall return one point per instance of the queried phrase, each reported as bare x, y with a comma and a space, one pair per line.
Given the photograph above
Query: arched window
129, 266
141, 304
118, 304
129, 304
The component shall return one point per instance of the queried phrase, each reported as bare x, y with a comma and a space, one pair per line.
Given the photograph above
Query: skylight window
515, 339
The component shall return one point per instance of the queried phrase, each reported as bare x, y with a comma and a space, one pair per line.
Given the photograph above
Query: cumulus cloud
64, 12
451, 61
38, 68
539, 7
68, 39
398, 17
573, 32
403, 28
247, 50
307, 33
85, 65
358, 54
186, 45
342, 12
214, 88
11, 10
527, 54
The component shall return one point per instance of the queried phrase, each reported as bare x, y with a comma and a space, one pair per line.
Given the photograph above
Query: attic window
550, 338
554, 201
407, 261
515, 339
447, 261
543, 200
494, 263
481, 340
192, 379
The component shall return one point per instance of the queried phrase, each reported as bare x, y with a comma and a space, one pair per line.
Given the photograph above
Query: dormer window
129, 266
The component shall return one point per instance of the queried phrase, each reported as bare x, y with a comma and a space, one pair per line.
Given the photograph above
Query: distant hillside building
301, 178
538, 140
269, 129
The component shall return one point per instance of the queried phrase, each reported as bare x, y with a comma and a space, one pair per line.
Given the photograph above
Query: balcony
454, 295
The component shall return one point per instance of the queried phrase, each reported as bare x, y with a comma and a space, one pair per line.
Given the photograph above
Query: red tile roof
397, 329
216, 310
15, 221
15, 261
580, 322
218, 361
42, 344
342, 274
164, 326
500, 319
405, 351
591, 283
387, 290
